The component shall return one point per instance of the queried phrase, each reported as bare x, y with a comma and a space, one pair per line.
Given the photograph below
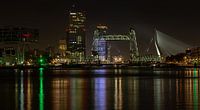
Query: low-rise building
15, 42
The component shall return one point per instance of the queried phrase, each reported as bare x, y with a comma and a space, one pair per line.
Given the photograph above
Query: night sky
180, 19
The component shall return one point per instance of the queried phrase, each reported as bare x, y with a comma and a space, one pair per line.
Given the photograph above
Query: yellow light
72, 13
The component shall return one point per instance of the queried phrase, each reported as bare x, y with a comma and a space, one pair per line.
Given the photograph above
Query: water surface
100, 89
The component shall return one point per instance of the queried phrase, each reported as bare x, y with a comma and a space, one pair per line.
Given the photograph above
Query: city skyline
179, 20
99, 55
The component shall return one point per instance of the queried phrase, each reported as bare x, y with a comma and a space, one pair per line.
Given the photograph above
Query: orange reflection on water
192, 72
29, 93
69, 94
118, 94
187, 91
60, 93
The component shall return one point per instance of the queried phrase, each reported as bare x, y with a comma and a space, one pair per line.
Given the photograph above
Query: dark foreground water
101, 89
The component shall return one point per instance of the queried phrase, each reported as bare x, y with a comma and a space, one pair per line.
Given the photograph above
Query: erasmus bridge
164, 45
167, 45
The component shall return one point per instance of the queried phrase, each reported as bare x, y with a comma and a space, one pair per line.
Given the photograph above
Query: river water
100, 89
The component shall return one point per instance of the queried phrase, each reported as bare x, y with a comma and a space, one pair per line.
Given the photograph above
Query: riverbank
97, 66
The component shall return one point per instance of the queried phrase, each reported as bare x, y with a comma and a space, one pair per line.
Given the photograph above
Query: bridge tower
134, 53
100, 45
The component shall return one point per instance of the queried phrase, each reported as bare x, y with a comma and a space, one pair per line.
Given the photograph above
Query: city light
42, 61
118, 60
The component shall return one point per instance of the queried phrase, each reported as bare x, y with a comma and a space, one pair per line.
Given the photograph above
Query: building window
79, 39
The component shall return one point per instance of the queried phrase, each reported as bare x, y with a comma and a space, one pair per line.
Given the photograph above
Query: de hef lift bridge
102, 48
164, 45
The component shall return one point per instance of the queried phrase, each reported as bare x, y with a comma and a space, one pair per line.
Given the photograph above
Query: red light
26, 35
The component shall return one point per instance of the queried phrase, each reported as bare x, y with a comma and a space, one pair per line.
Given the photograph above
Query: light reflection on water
21, 101
187, 91
100, 93
34, 90
41, 93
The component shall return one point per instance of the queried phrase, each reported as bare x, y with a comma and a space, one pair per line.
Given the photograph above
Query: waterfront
100, 89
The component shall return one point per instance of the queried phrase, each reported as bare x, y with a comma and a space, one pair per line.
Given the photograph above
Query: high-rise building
102, 29
76, 35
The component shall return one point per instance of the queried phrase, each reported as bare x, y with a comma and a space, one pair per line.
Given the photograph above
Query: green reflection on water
41, 94
195, 95
195, 72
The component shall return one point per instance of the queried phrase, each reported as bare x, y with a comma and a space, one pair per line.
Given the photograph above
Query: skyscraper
76, 35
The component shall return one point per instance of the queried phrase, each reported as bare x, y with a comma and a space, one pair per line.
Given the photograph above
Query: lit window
72, 13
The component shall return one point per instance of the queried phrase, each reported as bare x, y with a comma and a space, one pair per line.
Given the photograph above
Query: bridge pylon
134, 53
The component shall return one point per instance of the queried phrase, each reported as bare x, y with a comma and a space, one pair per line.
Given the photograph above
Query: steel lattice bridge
116, 38
100, 44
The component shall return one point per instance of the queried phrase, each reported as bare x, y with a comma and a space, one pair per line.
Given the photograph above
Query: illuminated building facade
18, 34
100, 44
14, 42
193, 55
62, 48
76, 35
